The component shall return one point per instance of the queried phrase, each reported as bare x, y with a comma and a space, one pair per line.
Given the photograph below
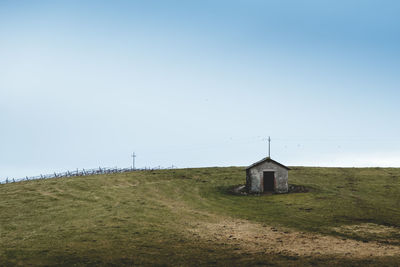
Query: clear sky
198, 83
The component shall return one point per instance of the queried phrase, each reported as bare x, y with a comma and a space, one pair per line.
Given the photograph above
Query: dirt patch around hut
241, 190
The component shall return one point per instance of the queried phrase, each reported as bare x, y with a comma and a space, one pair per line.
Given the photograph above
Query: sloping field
350, 216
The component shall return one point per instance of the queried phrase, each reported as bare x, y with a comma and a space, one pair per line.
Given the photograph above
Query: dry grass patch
256, 238
381, 233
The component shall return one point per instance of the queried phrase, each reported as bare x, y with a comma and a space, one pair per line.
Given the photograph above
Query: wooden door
269, 181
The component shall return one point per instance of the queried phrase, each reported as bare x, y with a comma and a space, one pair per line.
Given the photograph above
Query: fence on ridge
83, 172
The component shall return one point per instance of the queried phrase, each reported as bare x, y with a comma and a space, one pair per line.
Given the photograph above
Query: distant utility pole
269, 146
133, 160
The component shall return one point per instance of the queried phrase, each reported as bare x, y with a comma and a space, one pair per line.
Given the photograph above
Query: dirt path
254, 237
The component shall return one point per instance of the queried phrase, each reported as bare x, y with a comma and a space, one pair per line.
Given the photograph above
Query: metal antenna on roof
269, 147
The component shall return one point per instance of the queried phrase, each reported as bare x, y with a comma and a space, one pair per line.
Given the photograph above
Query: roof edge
269, 160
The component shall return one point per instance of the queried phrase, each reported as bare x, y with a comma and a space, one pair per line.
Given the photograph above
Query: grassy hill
350, 216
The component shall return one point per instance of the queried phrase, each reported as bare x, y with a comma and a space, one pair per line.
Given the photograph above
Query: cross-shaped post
133, 160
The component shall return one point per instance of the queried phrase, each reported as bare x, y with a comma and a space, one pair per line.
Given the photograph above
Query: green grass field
180, 217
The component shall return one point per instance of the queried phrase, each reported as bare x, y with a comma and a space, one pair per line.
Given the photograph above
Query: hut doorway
268, 181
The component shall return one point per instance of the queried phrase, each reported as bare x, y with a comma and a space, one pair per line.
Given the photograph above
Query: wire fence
83, 172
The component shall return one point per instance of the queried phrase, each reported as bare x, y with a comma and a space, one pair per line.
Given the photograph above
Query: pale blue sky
197, 83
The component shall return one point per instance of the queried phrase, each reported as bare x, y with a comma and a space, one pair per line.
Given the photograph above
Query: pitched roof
267, 159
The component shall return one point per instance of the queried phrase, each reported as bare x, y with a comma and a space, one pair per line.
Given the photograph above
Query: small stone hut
267, 175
